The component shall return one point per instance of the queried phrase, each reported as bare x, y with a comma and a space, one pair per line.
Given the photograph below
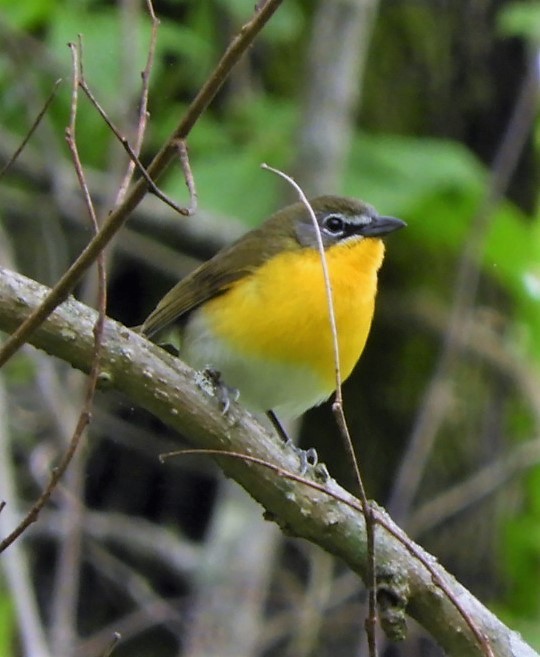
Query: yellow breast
280, 313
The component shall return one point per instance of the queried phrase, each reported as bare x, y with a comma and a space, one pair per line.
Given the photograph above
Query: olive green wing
205, 282
213, 277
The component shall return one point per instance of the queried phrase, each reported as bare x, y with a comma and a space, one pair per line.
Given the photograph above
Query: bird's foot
308, 457
224, 393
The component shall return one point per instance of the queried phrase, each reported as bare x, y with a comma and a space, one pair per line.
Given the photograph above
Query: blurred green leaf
396, 172
286, 24
27, 15
226, 158
102, 43
521, 19
7, 625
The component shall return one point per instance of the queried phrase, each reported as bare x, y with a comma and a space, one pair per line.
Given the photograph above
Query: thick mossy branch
162, 384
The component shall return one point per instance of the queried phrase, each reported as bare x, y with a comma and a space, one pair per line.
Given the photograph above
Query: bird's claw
225, 394
308, 457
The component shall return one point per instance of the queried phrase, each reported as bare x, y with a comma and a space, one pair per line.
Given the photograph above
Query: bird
257, 311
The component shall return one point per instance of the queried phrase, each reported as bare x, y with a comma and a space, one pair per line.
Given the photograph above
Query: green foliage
521, 558
20, 370
440, 188
29, 14
285, 25
7, 624
185, 53
226, 159
396, 172
521, 19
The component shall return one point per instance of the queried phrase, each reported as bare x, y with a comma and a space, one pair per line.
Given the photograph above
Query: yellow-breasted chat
257, 311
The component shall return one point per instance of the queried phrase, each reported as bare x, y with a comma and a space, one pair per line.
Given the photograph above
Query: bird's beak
381, 226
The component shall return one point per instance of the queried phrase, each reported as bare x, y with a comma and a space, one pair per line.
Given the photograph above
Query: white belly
264, 385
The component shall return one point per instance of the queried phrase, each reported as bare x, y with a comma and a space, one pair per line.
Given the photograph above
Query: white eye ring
334, 225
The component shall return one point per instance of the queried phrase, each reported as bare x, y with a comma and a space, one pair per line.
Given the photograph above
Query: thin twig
32, 129
337, 408
326, 274
63, 602
161, 161
72, 145
378, 518
85, 414
143, 106
152, 187
371, 620
70, 135
188, 176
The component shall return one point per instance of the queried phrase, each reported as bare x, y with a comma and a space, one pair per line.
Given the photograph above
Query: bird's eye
334, 225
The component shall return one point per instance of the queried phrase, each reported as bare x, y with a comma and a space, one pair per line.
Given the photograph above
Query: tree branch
326, 514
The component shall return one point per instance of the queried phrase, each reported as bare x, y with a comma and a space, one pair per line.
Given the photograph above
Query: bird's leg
170, 349
279, 427
308, 458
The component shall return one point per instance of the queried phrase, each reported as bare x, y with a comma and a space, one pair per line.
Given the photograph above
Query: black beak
382, 226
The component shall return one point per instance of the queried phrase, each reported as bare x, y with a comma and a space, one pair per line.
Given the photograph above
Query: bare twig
337, 408
134, 151
84, 417
57, 473
326, 274
188, 175
143, 106
76, 51
371, 620
161, 161
32, 129
64, 602
152, 187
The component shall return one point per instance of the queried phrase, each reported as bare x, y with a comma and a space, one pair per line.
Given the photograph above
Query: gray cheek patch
306, 236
